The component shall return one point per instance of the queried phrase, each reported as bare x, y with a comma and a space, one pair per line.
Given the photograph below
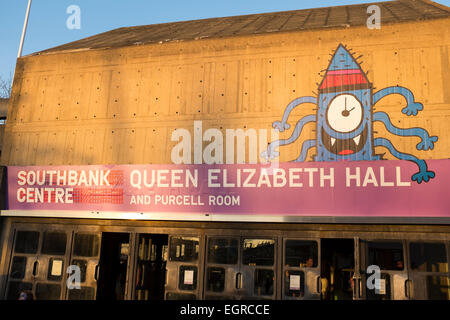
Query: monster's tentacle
427, 141
412, 107
423, 173
283, 125
308, 144
271, 152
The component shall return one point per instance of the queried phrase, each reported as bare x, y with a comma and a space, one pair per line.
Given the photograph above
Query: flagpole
24, 29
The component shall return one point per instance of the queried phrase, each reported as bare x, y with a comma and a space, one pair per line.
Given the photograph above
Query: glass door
240, 268
258, 271
338, 269
38, 264
85, 258
301, 269
222, 272
428, 270
183, 281
383, 270
150, 267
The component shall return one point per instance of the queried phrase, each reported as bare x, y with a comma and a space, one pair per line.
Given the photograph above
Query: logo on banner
345, 118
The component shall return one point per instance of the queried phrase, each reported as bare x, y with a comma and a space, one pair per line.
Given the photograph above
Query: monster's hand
423, 175
269, 154
280, 126
427, 142
412, 108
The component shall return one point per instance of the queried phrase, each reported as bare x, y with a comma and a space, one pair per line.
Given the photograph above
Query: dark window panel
26, 242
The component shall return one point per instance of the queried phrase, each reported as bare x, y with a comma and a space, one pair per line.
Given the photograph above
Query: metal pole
24, 29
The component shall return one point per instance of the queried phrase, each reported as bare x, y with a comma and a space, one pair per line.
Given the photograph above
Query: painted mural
345, 117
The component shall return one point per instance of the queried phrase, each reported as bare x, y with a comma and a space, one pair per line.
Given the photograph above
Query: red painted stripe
342, 80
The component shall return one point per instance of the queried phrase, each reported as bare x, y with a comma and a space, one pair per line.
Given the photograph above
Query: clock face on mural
345, 113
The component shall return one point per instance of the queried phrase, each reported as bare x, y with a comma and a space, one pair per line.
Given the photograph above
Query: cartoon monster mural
345, 119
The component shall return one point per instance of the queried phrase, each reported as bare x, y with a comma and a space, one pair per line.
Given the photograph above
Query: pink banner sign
335, 189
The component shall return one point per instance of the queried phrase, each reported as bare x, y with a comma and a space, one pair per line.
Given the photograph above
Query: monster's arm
412, 107
271, 152
308, 144
427, 141
423, 173
283, 125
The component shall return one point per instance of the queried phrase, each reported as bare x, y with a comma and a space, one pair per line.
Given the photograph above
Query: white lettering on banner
398, 178
38, 195
186, 200
254, 178
224, 200
63, 178
324, 177
164, 178
261, 178
178, 200
370, 178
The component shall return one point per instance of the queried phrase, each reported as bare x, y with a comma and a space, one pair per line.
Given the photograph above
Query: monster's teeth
356, 139
333, 140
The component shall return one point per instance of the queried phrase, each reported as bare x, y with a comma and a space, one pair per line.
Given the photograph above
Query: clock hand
351, 109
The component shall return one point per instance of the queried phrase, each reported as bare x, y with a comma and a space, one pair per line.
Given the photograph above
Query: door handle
96, 272
239, 280
407, 289
318, 285
35, 268
357, 286
360, 288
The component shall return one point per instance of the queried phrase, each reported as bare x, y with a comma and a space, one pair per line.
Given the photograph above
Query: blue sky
47, 24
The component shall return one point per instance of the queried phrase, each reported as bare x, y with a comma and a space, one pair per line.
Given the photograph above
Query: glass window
223, 250
384, 291
431, 257
84, 293
82, 264
294, 283
300, 253
18, 267
54, 243
180, 296
264, 279
438, 288
184, 249
215, 280
258, 252
86, 245
47, 291
26, 242
55, 269
386, 255
188, 278
15, 288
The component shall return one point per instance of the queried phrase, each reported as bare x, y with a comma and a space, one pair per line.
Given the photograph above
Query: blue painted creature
345, 119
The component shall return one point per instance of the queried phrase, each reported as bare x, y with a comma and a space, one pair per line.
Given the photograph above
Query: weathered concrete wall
121, 106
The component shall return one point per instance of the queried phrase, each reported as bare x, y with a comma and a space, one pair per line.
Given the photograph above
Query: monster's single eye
344, 113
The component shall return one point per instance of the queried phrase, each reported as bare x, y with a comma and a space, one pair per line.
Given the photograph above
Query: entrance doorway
337, 269
151, 259
113, 266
